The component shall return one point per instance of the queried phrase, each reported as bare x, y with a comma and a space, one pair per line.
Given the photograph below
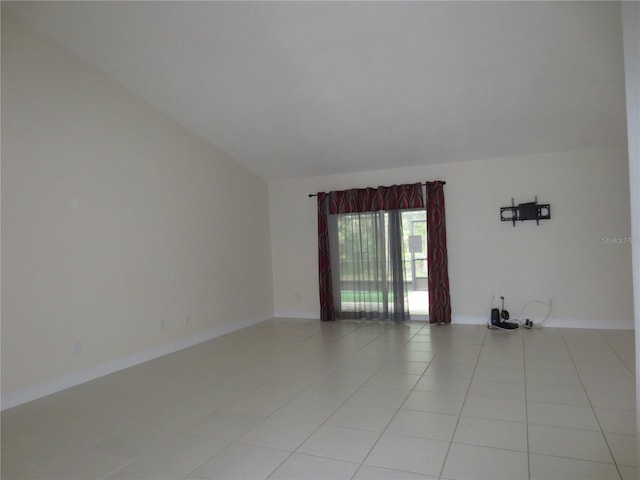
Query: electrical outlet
163, 324
185, 320
77, 347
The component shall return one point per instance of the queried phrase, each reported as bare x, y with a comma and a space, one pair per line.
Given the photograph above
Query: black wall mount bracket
525, 211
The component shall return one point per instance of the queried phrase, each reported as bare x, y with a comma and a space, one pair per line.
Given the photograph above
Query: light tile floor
296, 399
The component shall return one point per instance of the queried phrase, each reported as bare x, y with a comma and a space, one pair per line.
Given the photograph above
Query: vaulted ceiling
311, 88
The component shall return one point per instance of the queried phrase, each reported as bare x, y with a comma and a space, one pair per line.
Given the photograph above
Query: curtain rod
423, 184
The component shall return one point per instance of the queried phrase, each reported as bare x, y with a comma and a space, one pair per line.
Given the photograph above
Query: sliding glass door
379, 264
414, 235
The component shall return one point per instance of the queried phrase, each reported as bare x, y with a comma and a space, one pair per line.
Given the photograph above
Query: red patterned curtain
396, 197
439, 298
324, 260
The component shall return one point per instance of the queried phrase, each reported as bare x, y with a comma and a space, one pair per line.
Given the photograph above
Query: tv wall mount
525, 211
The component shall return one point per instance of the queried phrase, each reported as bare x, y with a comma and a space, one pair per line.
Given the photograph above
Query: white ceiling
311, 88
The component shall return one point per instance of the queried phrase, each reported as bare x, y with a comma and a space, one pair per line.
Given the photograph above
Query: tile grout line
615, 463
358, 327
390, 355
340, 406
393, 416
475, 366
615, 351
191, 473
526, 407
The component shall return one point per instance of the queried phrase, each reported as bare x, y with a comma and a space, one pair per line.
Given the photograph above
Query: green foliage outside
362, 240
369, 296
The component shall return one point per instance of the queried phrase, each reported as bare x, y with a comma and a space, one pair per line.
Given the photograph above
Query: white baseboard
33, 392
468, 320
555, 322
482, 320
615, 324
301, 315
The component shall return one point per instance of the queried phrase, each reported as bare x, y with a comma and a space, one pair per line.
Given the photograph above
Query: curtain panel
439, 297
327, 313
367, 265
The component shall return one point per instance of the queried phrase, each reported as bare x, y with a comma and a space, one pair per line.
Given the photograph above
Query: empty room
319, 240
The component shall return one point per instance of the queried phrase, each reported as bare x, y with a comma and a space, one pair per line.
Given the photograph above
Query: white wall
122, 232
631, 34
564, 258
